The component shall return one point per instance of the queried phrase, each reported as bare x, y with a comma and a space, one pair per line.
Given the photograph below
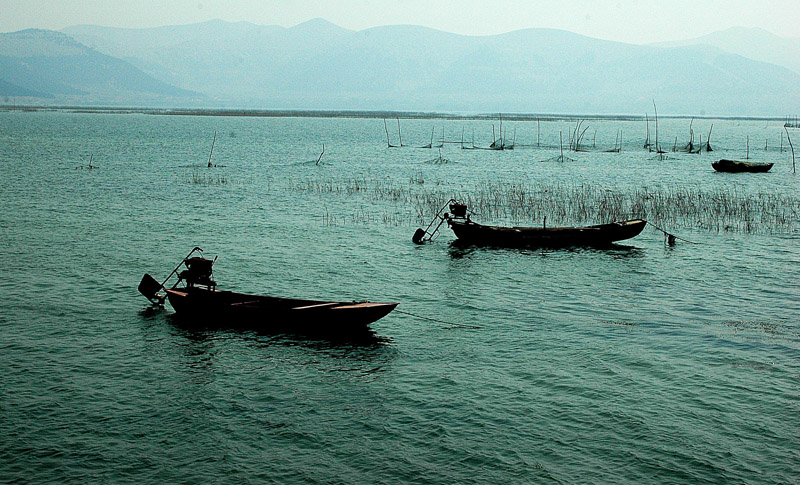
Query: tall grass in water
715, 209
208, 178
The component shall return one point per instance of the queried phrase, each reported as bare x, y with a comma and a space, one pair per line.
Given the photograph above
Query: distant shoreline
373, 114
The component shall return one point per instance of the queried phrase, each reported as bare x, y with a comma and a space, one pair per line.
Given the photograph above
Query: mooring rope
671, 235
438, 321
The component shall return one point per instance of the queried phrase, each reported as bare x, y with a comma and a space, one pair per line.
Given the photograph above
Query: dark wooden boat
738, 166
600, 235
198, 298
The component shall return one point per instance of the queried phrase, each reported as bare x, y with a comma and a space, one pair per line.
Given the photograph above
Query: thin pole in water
658, 149
320, 155
212, 149
399, 135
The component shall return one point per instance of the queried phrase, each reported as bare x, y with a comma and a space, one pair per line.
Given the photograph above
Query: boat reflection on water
460, 249
361, 337
214, 329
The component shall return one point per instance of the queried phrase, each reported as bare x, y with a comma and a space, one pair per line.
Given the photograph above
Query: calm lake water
644, 362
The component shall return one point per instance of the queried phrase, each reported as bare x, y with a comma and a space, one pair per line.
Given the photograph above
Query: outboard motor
198, 272
459, 210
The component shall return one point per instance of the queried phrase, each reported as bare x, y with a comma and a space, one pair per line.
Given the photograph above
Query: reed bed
715, 209
207, 179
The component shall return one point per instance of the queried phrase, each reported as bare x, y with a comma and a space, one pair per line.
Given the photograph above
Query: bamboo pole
790, 144
658, 149
708, 139
212, 149
388, 145
399, 135
320, 155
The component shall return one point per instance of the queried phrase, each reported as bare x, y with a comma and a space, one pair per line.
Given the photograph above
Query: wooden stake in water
399, 135
320, 155
708, 139
212, 149
747, 155
790, 144
658, 148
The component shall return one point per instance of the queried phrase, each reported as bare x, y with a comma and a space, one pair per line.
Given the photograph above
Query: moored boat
198, 298
738, 166
598, 235
469, 232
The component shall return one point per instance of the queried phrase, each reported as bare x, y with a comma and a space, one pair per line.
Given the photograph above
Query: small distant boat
470, 232
738, 166
199, 298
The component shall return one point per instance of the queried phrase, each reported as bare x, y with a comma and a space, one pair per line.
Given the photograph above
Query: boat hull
600, 235
272, 313
737, 166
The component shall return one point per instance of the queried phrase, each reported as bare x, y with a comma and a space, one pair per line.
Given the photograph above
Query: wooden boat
738, 166
599, 235
198, 298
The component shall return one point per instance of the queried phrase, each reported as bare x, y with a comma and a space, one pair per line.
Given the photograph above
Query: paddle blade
418, 236
149, 287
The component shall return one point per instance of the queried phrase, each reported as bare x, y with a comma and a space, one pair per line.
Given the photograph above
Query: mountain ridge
753, 43
318, 65
48, 64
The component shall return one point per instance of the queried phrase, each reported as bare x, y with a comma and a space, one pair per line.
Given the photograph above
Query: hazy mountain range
752, 43
52, 65
318, 65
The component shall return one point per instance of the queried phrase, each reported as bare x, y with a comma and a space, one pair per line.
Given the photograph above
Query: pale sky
633, 21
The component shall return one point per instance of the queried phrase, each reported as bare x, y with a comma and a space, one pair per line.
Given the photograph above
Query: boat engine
198, 272
458, 210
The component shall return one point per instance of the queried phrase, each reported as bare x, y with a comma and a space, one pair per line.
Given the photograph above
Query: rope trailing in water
461, 325
671, 237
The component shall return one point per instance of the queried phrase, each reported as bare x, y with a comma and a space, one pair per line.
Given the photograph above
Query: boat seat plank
244, 303
363, 304
319, 305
